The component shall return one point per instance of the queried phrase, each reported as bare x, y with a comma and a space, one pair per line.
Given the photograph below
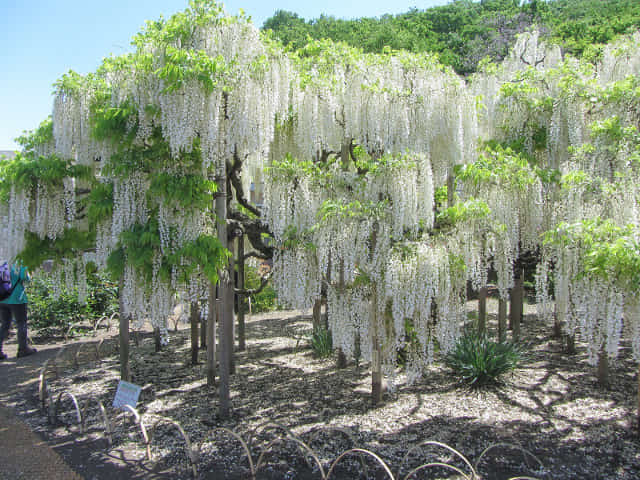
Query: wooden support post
560, 310
125, 373
342, 358
157, 339
376, 354
203, 333
242, 342
517, 300
482, 310
230, 298
603, 368
225, 287
638, 399
451, 188
211, 336
502, 320
317, 314
194, 319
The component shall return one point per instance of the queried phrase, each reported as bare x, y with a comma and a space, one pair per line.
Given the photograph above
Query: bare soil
552, 407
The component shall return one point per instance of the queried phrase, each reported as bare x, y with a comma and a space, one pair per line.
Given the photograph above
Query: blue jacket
18, 295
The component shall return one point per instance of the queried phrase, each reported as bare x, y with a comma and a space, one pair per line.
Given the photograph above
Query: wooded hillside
464, 32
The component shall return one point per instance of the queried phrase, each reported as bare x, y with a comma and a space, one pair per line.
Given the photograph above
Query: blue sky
42, 39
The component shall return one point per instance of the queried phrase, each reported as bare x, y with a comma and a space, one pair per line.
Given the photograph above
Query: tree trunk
517, 297
571, 344
639, 399
325, 317
342, 358
203, 332
451, 188
194, 318
482, 310
560, 309
376, 354
502, 320
225, 286
345, 154
557, 326
214, 308
341, 361
125, 373
317, 314
242, 345
603, 368
229, 332
157, 339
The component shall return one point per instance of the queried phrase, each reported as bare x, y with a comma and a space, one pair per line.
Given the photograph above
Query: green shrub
266, 300
479, 361
102, 296
54, 315
49, 313
321, 341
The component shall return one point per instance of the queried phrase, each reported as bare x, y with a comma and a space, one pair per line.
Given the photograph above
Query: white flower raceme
50, 215
129, 203
14, 222
296, 277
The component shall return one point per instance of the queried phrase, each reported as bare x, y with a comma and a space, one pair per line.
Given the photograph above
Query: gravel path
552, 407
23, 454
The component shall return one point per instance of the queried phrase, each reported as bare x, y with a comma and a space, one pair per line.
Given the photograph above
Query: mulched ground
551, 407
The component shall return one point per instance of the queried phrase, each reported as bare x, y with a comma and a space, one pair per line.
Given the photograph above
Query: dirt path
24, 454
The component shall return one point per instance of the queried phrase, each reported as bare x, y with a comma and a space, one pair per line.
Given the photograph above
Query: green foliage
321, 342
205, 252
43, 135
294, 238
188, 191
385, 165
579, 24
70, 84
267, 299
503, 166
140, 246
115, 124
71, 244
178, 29
338, 209
609, 252
460, 212
289, 168
441, 197
54, 315
100, 203
185, 65
26, 170
102, 295
480, 362
318, 60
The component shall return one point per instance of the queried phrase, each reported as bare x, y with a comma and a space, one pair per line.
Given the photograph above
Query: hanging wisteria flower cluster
14, 222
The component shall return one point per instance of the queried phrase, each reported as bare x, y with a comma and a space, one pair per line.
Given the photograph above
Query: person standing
16, 306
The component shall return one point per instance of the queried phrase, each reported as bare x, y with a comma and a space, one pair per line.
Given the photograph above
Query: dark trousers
19, 314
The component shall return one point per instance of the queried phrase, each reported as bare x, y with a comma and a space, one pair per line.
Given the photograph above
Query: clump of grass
321, 341
481, 362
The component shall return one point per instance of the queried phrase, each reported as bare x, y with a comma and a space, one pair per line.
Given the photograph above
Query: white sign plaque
126, 394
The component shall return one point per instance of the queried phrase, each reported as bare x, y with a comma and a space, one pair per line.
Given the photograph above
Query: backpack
6, 289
